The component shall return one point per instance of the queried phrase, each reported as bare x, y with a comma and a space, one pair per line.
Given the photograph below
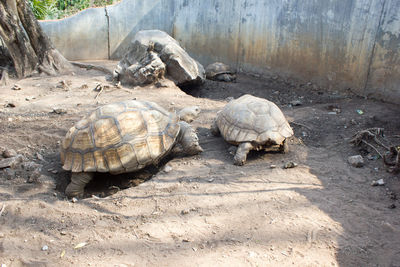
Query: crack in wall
373, 48
108, 33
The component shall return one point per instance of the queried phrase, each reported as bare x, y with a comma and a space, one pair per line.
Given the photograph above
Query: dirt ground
201, 210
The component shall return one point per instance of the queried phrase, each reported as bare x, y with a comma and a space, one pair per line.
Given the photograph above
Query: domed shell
217, 68
120, 137
253, 119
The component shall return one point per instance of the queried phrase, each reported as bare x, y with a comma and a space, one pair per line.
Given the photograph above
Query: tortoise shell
253, 119
120, 137
217, 68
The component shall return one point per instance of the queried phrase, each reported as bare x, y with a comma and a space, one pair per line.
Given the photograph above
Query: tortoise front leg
241, 153
78, 182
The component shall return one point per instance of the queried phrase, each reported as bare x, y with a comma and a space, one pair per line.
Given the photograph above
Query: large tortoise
220, 72
125, 137
252, 123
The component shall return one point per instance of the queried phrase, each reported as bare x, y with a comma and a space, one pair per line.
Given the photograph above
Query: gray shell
217, 68
253, 119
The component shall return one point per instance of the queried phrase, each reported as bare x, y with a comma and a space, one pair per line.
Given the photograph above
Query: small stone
63, 233
356, 161
273, 166
296, 103
9, 153
54, 171
55, 194
39, 157
379, 182
186, 240
16, 87
210, 180
59, 111
10, 105
74, 200
194, 249
289, 165
185, 211
44, 248
2, 235
167, 168
34, 177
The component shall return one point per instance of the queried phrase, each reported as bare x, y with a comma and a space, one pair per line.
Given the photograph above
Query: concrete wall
335, 43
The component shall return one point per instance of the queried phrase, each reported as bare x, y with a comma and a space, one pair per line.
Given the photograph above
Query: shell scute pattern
119, 137
253, 119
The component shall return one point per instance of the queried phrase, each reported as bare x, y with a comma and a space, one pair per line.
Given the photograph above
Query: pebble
379, 182
289, 165
296, 103
39, 157
9, 153
356, 161
44, 248
74, 200
167, 168
59, 111
16, 87
272, 166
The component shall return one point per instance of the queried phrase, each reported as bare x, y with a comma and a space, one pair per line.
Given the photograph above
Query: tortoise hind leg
78, 182
284, 147
241, 153
214, 129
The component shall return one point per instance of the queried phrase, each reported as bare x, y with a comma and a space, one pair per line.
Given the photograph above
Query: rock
34, 176
74, 200
356, 161
44, 248
10, 105
16, 87
296, 103
9, 153
272, 166
167, 168
59, 111
152, 55
379, 182
289, 164
11, 162
39, 156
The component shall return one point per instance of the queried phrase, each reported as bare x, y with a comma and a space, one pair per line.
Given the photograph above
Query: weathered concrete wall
335, 43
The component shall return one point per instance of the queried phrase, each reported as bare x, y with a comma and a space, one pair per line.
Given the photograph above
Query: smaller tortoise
252, 123
220, 72
125, 137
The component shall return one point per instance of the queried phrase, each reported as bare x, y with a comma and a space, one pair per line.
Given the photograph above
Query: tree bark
30, 48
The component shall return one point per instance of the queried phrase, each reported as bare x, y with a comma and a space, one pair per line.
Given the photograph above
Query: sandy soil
205, 211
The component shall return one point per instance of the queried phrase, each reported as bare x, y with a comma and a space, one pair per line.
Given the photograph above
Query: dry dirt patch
204, 211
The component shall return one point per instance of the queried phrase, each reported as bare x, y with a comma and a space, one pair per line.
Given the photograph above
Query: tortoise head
188, 114
188, 139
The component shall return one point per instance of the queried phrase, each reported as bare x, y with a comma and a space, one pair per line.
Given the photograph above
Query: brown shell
120, 137
253, 119
217, 68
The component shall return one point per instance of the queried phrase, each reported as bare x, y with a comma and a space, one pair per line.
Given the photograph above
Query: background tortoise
124, 137
220, 72
252, 123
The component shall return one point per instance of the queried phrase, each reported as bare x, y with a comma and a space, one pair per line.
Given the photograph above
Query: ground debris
289, 165
356, 161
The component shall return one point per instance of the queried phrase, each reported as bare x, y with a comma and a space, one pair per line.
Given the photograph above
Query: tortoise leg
78, 182
241, 153
285, 147
214, 129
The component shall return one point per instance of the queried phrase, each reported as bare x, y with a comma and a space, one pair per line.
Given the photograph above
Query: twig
101, 90
302, 125
368, 144
2, 209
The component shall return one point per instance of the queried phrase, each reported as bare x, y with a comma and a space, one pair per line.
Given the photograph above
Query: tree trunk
29, 47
